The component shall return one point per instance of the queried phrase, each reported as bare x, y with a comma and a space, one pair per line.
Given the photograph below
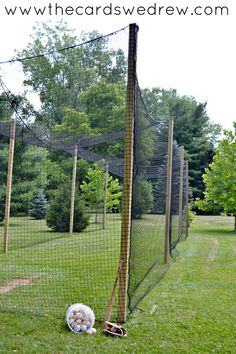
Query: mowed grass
192, 310
63, 268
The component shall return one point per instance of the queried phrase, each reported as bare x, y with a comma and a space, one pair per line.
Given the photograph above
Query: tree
192, 129
207, 207
220, 177
60, 77
93, 190
39, 207
58, 215
29, 176
142, 198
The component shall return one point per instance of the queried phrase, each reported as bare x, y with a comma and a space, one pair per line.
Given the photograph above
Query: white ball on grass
83, 328
87, 324
77, 328
93, 330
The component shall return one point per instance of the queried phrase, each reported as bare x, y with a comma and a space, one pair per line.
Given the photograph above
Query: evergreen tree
39, 207
58, 215
192, 129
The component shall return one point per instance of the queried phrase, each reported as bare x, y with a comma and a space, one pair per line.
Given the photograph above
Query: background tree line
82, 91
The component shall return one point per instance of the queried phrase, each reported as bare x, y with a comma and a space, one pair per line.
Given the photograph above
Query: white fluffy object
80, 318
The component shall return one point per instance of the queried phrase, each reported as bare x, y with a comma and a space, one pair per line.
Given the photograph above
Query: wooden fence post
187, 203
128, 174
105, 195
9, 186
181, 161
73, 182
168, 190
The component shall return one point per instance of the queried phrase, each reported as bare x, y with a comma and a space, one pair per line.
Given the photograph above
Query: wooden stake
187, 203
168, 190
112, 297
105, 195
9, 186
181, 161
73, 182
128, 174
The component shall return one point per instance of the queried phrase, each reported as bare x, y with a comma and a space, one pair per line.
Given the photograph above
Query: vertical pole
72, 200
181, 161
105, 195
168, 190
9, 186
187, 204
128, 174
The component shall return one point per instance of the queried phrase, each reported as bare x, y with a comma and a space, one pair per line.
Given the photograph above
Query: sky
195, 54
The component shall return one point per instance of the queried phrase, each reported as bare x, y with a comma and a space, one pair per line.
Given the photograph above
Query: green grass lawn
63, 269
192, 310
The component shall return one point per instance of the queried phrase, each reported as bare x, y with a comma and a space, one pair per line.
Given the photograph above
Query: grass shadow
219, 232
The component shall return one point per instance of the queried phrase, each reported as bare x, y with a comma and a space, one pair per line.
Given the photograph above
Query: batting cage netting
89, 179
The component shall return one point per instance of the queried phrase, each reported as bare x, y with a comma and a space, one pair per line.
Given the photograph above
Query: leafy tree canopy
60, 77
192, 129
220, 177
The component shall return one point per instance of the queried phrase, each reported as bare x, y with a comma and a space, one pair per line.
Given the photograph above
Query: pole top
134, 25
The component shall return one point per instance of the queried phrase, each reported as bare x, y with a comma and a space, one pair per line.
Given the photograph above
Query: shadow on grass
34, 243
11, 225
219, 232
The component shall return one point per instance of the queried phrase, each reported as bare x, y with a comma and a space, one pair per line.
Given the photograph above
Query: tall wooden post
128, 174
181, 166
73, 181
168, 190
105, 195
187, 204
9, 186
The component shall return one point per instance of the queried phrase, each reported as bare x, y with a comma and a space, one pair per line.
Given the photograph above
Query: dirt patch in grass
14, 283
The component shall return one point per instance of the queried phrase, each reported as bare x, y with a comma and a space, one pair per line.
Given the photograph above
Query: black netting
77, 106
72, 104
148, 205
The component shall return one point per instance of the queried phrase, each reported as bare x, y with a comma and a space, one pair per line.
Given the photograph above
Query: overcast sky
194, 54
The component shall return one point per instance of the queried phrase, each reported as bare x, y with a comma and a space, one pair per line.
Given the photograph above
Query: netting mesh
85, 104
148, 205
73, 104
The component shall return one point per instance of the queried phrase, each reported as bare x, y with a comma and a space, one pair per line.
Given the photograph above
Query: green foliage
220, 177
58, 215
60, 78
73, 122
29, 176
2, 208
104, 104
206, 207
39, 207
192, 129
93, 189
142, 198
191, 216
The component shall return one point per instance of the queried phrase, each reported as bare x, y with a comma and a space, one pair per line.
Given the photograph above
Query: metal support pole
128, 174
73, 182
105, 195
168, 190
9, 186
181, 161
